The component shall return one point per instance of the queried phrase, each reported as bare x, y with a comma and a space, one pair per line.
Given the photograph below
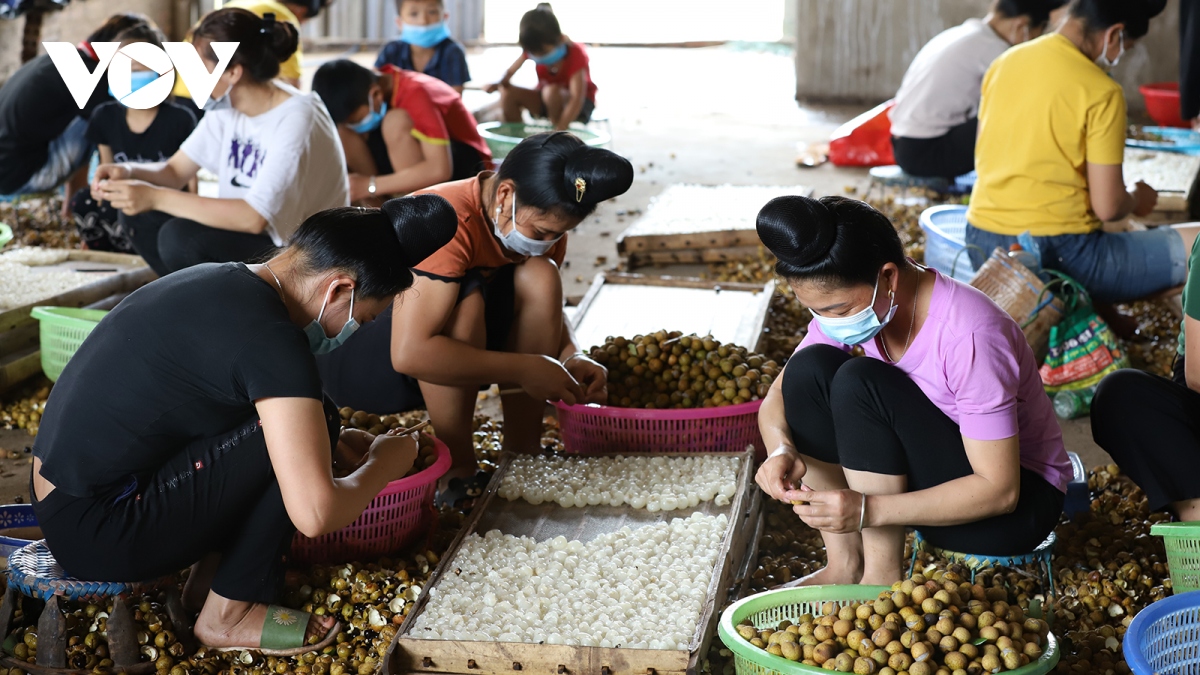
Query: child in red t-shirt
565, 91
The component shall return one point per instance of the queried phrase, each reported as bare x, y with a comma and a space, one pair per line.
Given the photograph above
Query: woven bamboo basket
1019, 292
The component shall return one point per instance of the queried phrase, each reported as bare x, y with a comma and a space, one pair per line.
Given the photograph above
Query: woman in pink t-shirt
942, 425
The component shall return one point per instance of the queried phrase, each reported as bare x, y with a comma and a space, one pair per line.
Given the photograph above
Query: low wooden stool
34, 573
1042, 556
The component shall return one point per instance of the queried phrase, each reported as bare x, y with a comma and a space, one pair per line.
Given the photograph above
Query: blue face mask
553, 57
425, 36
371, 122
320, 343
137, 80
862, 326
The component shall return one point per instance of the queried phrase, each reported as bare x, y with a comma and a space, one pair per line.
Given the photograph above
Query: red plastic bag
865, 140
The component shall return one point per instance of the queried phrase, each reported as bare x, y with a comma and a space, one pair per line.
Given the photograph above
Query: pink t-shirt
974, 364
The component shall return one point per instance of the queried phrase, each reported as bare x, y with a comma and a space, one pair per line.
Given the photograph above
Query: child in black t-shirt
124, 134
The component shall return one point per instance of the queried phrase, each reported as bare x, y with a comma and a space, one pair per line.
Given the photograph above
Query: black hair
376, 246
1038, 11
400, 4
263, 42
558, 172
1100, 15
344, 86
116, 24
141, 33
314, 7
539, 29
833, 241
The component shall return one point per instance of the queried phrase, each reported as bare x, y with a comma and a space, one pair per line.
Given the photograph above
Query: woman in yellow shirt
1049, 154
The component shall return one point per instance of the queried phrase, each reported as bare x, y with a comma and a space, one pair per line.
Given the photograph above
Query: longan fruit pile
919, 627
669, 370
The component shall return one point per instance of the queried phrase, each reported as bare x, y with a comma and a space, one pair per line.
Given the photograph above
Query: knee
856, 380
536, 281
813, 366
1118, 395
177, 244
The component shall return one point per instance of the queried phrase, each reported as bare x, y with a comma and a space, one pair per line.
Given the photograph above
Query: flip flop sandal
463, 489
283, 634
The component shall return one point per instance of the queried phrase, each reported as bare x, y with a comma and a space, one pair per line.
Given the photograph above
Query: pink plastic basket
393, 519
591, 429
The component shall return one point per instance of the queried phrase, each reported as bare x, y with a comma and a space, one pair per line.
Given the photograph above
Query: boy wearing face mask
1049, 156
425, 45
123, 134
565, 91
401, 130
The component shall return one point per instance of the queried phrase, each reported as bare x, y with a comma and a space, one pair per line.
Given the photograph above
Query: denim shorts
1112, 266
65, 155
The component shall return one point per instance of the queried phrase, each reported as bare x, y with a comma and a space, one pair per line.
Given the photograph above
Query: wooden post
33, 33
52, 636
122, 635
7, 609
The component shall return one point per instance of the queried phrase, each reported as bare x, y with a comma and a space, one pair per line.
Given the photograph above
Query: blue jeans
64, 156
1112, 266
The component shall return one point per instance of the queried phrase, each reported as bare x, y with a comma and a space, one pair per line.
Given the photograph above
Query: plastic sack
1083, 348
865, 140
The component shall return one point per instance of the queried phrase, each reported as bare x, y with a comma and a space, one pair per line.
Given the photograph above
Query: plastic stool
1042, 556
33, 572
1079, 496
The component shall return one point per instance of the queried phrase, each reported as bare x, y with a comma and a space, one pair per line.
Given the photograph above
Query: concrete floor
720, 115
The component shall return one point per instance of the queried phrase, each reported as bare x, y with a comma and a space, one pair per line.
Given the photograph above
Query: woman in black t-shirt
189, 428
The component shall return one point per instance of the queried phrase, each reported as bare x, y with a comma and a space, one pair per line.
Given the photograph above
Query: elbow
1107, 212
312, 525
258, 225
1008, 499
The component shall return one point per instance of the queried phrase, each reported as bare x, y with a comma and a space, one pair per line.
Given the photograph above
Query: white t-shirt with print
286, 163
941, 88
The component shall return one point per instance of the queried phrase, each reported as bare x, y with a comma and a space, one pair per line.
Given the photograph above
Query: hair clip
580, 188
268, 23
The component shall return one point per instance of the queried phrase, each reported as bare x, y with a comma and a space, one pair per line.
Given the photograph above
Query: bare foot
826, 576
230, 623
880, 580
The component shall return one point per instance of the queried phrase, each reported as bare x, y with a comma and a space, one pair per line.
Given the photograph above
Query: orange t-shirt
475, 247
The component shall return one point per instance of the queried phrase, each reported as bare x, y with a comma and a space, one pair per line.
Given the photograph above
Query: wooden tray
635, 304
1173, 174
700, 224
413, 655
20, 357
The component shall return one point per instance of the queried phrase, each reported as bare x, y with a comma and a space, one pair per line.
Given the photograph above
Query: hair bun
422, 223
1154, 7
544, 7
593, 175
282, 37
800, 231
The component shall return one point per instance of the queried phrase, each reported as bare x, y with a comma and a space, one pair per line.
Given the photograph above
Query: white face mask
1103, 61
519, 243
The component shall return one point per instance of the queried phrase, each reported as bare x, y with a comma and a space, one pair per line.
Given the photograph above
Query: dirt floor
719, 115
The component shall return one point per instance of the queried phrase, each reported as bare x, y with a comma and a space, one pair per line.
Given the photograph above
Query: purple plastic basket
595, 429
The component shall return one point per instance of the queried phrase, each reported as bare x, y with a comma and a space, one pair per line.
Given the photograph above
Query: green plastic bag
1083, 349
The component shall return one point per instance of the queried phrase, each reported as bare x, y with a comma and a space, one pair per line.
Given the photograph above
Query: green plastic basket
1182, 541
502, 137
769, 608
5, 234
63, 329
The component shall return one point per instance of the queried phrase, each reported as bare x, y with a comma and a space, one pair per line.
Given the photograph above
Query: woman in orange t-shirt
487, 308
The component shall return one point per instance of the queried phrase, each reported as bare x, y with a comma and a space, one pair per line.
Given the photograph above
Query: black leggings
1151, 427
169, 244
867, 415
947, 156
216, 495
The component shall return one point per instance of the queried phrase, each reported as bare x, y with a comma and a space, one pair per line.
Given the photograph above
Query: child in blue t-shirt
425, 44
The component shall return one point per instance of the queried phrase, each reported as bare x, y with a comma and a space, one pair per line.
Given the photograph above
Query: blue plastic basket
1174, 140
945, 237
1164, 638
15, 517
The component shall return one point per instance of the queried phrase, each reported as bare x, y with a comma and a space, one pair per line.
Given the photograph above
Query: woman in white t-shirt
274, 150
934, 123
